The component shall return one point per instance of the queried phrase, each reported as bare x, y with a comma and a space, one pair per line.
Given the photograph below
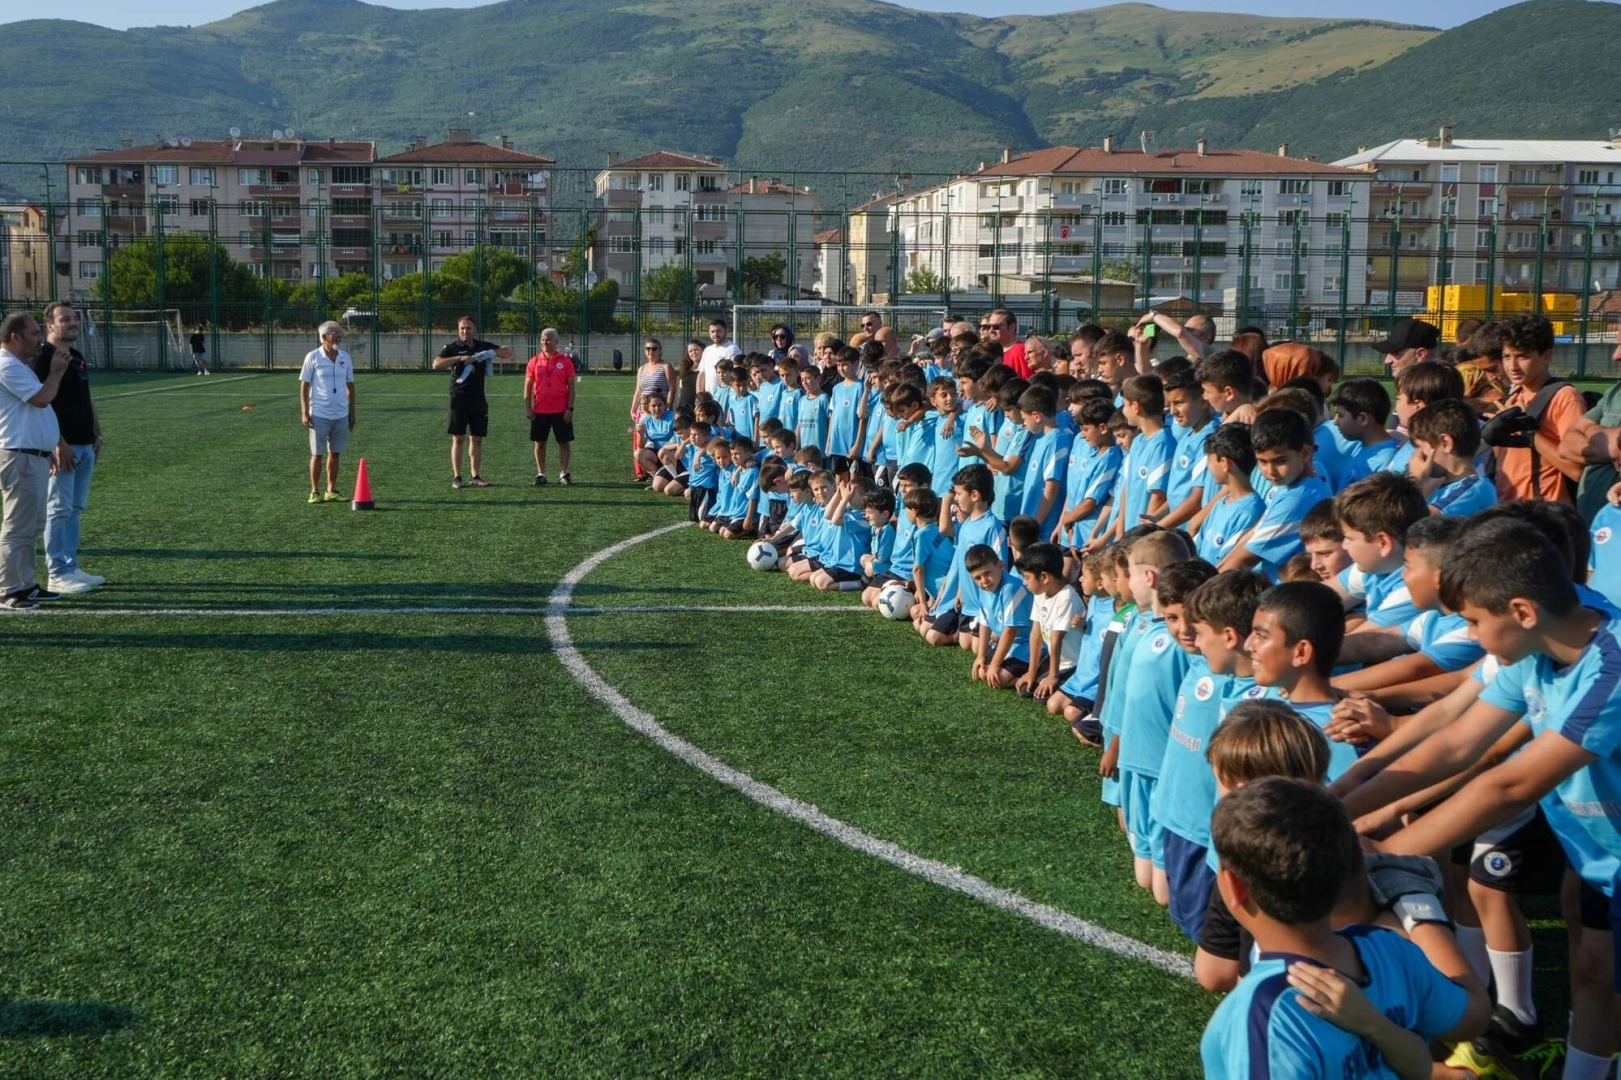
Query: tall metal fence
256, 279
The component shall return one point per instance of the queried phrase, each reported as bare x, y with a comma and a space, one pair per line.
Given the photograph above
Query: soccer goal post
135, 338
752, 323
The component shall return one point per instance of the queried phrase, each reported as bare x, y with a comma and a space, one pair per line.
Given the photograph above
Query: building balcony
621, 198
123, 190
285, 190
350, 221
709, 230
709, 197
399, 212
348, 191
1083, 200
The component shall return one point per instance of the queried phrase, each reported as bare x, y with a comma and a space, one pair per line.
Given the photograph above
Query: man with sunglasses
871, 323
1005, 326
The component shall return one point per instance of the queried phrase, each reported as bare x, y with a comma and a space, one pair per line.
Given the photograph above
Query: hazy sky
122, 13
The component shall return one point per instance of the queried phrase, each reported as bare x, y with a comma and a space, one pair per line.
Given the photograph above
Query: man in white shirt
720, 348
326, 398
30, 450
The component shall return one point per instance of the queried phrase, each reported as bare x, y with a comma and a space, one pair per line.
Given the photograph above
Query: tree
1122, 270
131, 280
923, 280
666, 285
761, 272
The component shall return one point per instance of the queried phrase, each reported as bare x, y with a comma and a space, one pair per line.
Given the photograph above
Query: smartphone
1150, 331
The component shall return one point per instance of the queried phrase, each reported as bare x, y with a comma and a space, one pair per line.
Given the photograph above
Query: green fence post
213, 280
268, 323
691, 277
1491, 268
636, 271
1048, 321
1294, 279
479, 239
1542, 247
534, 288
1246, 264
1587, 298
1147, 253
1345, 280
161, 265
320, 261
1097, 264
106, 284
945, 258
585, 295
1198, 254
1395, 261
427, 286
376, 287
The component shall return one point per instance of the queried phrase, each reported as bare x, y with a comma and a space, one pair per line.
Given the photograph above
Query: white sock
1580, 1065
1512, 973
1472, 940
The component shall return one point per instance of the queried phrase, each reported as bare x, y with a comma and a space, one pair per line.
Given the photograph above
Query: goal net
752, 323
135, 338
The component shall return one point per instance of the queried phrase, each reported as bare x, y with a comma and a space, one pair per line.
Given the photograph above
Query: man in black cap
1410, 341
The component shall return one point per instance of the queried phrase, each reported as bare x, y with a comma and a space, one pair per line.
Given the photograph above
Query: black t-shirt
72, 403
469, 391
198, 343
1222, 935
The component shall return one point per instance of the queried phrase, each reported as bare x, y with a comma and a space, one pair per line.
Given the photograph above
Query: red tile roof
464, 153
1093, 161
766, 187
831, 236
667, 159
252, 152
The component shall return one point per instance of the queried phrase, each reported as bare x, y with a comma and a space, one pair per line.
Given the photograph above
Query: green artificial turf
367, 845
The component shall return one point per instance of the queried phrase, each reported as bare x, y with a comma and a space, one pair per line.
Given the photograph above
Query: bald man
890, 340
1038, 354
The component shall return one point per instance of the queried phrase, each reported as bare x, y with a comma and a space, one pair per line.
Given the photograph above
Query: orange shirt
1514, 463
551, 374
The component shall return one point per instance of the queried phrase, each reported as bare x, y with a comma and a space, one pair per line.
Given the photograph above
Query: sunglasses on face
780, 336
650, 348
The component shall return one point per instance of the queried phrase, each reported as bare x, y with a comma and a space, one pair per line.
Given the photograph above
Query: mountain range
835, 85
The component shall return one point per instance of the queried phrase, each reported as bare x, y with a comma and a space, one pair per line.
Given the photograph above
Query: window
89, 271
250, 176
473, 176
515, 242
1587, 176
509, 211
1487, 174
166, 174
402, 178
1294, 187
1335, 222
87, 208
709, 182
683, 181
444, 239
711, 212
444, 208
444, 177
655, 215
315, 177
87, 174
281, 209
1331, 283
284, 239
351, 174
1289, 218
680, 246
199, 208
166, 204
403, 209
351, 238
245, 240
1449, 174
1488, 208
704, 247
1114, 187
351, 207
655, 246
89, 238
1114, 217
202, 177
1482, 270
1339, 189
1250, 187
284, 176
619, 245
655, 181
1284, 282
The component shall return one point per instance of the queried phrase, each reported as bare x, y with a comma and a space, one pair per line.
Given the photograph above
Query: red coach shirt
1013, 357
551, 373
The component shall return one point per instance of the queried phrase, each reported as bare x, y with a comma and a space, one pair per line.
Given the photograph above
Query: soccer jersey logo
1498, 863
1183, 461
1181, 706
1220, 540
1255, 693
1142, 473
1203, 689
1160, 643
1602, 536
1535, 707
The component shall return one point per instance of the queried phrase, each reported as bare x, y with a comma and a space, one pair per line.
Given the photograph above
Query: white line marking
178, 386
939, 873
638, 609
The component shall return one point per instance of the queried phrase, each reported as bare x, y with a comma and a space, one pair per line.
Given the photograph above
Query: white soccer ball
895, 602
763, 556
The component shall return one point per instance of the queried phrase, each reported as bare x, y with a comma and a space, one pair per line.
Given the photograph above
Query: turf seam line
178, 386
938, 873
640, 609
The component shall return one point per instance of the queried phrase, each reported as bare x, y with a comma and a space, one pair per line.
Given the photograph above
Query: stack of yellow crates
1449, 305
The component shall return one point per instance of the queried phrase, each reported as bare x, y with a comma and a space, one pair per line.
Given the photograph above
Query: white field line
53, 610
949, 877
211, 381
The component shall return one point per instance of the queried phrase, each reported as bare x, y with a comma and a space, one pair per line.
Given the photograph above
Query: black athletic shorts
469, 420
1015, 667
775, 516
883, 580
841, 576
950, 623
699, 500
1595, 908
543, 426
1526, 860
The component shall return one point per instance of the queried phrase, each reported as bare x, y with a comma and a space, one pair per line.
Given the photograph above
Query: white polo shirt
329, 379
708, 377
24, 426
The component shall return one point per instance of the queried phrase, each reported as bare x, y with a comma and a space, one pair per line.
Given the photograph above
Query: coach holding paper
30, 448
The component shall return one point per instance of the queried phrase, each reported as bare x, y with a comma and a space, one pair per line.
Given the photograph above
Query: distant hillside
806, 84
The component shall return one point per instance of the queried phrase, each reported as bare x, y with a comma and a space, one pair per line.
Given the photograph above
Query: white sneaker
89, 579
69, 586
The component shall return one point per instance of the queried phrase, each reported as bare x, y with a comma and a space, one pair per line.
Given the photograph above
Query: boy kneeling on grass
1001, 653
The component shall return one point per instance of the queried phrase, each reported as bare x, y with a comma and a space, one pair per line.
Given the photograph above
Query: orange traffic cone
362, 500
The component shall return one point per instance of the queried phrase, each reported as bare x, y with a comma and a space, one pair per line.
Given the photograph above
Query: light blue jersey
1605, 565
1190, 468
915, 445
1147, 470
1400, 459
1276, 537
1582, 703
944, 461
1158, 664
1341, 755
844, 425
788, 408
1375, 458
933, 551
1462, 498
746, 492
879, 420
958, 587
1444, 639
657, 431
701, 468
1093, 476
810, 421
882, 548
1185, 796
1334, 463
1226, 525
768, 399
900, 563
1261, 1030
847, 541
1125, 646
1045, 461
1384, 597
1012, 442
1004, 607
1083, 681
743, 413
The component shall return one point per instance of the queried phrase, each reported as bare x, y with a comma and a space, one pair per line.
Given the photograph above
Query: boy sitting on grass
1073, 699
849, 536
1001, 654
950, 620
1057, 620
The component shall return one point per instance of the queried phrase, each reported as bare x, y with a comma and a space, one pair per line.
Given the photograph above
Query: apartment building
1061, 212
297, 208
26, 276
674, 209
1468, 211
442, 199
854, 263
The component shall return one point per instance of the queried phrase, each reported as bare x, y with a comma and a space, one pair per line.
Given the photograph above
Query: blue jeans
69, 495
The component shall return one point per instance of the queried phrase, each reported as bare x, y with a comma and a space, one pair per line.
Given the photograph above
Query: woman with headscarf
782, 339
